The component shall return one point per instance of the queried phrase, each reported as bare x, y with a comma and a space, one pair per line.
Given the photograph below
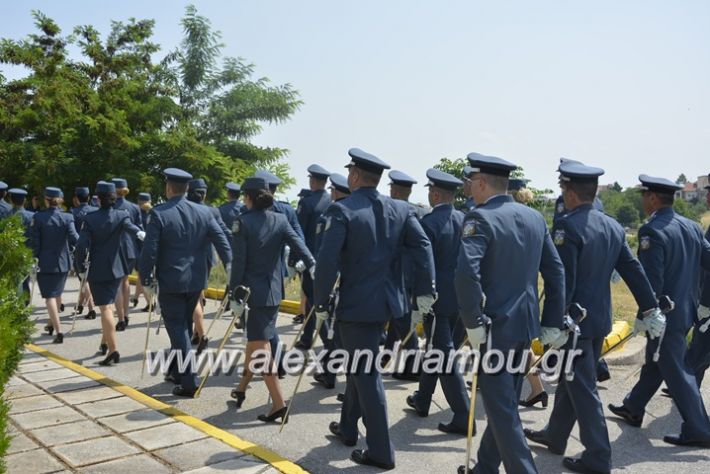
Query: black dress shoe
540, 438
603, 377
181, 391
340, 397
542, 398
90, 315
113, 357
121, 326
334, 428
103, 349
462, 470
146, 309
171, 378
623, 412
280, 413
298, 319
413, 405
238, 396
450, 428
58, 338
680, 441
576, 465
361, 456
302, 346
323, 380
195, 339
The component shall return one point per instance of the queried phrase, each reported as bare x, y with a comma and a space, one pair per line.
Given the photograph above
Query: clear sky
624, 85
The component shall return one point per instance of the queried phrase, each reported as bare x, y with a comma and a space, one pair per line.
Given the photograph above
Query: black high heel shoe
280, 413
90, 315
79, 309
50, 329
238, 396
61, 308
541, 397
113, 357
134, 302
58, 339
103, 349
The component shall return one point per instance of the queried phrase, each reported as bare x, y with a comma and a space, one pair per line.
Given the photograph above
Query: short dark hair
369, 178
261, 198
666, 199
586, 191
234, 194
17, 199
197, 195
177, 188
497, 182
82, 197
107, 200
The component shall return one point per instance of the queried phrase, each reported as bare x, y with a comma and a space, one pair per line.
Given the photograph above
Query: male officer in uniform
17, 198
504, 246
231, 209
698, 356
197, 193
362, 238
177, 240
400, 189
470, 202
81, 206
591, 245
443, 228
129, 246
5, 208
671, 249
308, 211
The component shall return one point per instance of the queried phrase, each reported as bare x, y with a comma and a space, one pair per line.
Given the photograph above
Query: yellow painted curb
619, 330
275, 460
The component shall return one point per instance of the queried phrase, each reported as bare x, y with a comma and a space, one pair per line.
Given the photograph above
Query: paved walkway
64, 421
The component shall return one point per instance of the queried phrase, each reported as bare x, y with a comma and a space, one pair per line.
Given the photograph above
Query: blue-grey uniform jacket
79, 212
309, 210
52, 233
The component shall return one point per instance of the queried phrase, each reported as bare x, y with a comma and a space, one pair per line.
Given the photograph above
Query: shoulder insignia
469, 229
645, 242
237, 226
319, 227
559, 237
328, 221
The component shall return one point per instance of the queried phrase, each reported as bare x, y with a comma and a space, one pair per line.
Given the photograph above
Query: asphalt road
306, 440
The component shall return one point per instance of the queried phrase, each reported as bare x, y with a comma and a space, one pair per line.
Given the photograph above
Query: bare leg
90, 298
247, 375
198, 317
53, 310
534, 379
108, 329
126, 288
119, 304
272, 382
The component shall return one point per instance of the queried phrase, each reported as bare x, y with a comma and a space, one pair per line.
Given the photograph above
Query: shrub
15, 326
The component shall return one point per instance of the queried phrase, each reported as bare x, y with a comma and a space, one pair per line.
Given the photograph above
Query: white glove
300, 266
228, 269
425, 303
703, 312
81, 275
615, 277
655, 322
639, 326
322, 316
312, 272
140, 235
417, 317
554, 337
477, 336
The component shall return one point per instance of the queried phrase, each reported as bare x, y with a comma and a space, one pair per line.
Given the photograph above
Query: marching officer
400, 189
17, 198
175, 252
231, 209
672, 250
130, 247
52, 233
145, 205
470, 203
499, 235
443, 228
259, 237
308, 211
591, 245
362, 238
101, 236
79, 211
5, 208
197, 193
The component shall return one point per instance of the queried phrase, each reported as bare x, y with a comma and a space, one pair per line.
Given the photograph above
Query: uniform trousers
177, 309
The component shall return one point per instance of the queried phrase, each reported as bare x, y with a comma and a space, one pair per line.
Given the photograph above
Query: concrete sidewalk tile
69, 433
29, 357
21, 391
112, 406
141, 463
49, 417
198, 454
37, 462
49, 375
92, 394
28, 404
94, 451
165, 435
38, 365
20, 443
136, 420
234, 465
79, 382
15, 381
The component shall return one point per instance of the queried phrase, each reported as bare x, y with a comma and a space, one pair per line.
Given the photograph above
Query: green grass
218, 279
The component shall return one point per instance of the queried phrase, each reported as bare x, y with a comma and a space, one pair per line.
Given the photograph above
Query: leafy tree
616, 187
627, 215
455, 168
681, 179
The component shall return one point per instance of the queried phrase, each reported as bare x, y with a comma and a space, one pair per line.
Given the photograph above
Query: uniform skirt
51, 285
261, 323
104, 292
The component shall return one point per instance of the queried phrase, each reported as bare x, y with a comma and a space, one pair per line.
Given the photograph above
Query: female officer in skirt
52, 233
101, 235
259, 236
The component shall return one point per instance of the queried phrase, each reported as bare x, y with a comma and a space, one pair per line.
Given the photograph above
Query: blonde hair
123, 192
523, 196
146, 206
54, 202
